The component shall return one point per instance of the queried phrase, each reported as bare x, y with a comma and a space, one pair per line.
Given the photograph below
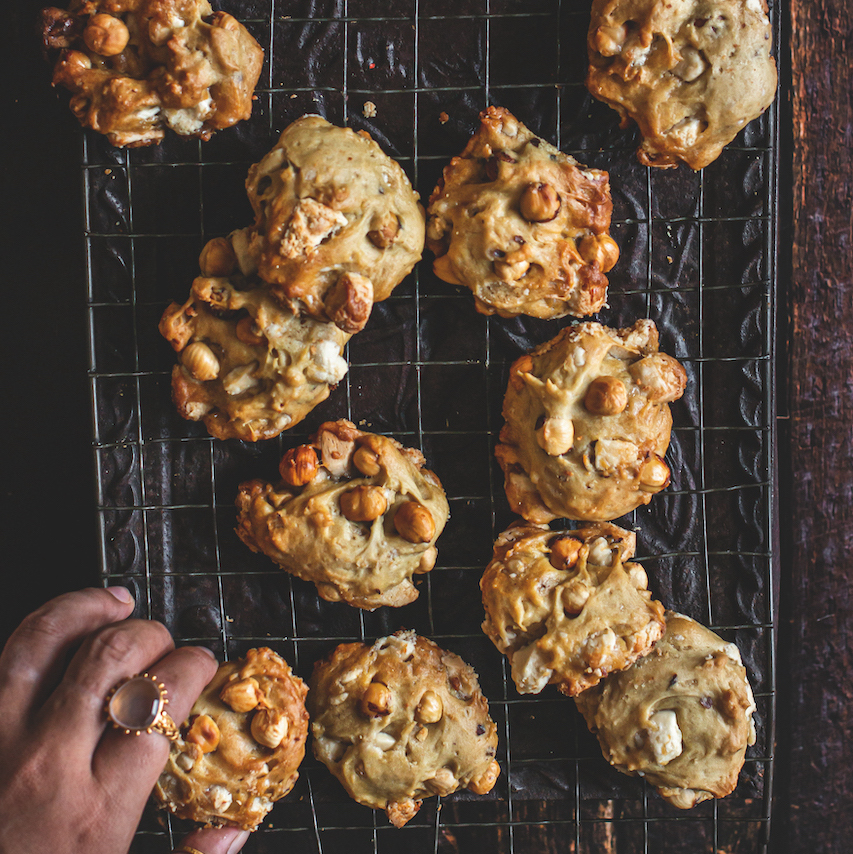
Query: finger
213, 840
119, 757
35, 656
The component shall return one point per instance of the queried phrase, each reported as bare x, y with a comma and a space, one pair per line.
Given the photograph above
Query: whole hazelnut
364, 503
414, 522
512, 268
606, 396
299, 465
376, 701
242, 695
429, 709
599, 249
200, 361
654, 474
217, 258
205, 733
564, 552
106, 35
574, 597
539, 203
427, 561
384, 231
637, 575
522, 365
484, 784
556, 436
269, 727
366, 461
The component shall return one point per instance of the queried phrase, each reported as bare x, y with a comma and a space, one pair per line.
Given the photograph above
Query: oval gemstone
136, 704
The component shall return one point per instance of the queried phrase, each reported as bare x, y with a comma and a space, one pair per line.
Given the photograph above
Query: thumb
213, 840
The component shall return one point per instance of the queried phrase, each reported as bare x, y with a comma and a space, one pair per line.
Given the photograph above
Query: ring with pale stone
137, 704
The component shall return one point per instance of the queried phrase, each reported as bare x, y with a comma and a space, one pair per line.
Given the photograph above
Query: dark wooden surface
49, 538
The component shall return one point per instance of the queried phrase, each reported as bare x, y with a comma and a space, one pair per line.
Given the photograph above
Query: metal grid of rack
698, 256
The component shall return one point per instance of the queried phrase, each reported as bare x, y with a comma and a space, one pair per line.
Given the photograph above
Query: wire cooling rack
698, 256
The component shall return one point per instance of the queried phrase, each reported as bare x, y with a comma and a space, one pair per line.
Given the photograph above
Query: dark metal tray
698, 256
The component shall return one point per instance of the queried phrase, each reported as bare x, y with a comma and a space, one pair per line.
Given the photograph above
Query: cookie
137, 67
241, 745
337, 223
399, 721
690, 74
522, 225
588, 423
356, 513
568, 607
681, 717
249, 367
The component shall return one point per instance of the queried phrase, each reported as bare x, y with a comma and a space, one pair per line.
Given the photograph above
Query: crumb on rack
443, 117
369, 110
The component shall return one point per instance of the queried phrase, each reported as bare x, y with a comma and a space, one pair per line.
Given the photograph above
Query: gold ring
137, 704
187, 849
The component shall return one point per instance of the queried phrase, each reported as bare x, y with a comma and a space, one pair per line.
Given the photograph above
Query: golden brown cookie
356, 513
567, 608
690, 74
249, 367
241, 745
681, 717
137, 67
337, 223
399, 721
522, 225
588, 423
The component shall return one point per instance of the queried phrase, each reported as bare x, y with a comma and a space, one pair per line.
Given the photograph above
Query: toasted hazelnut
599, 249
414, 522
513, 267
299, 466
609, 40
200, 361
539, 203
574, 598
443, 783
523, 365
337, 444
217, 258
564, 552
72, 59
384, 231
366, 461
654, 474
376, 701
606, 396
106, 35
242, 695
269, 727
248, 333
350, 302
637, 575
484, 784
364, 503
660, 376
205, 733
430, 708
427, 561
556, 436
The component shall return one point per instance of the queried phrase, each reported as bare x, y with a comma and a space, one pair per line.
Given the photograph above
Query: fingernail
122, 594
239, 840
210, 652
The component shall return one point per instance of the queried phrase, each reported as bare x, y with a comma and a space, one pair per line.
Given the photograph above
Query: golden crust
560, 458
690, 74
137, 67
568, 623
399, 721
237, 783
698, 681
367, 562
522, 225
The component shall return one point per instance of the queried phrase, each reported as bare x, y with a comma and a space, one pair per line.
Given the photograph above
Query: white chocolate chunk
665, 737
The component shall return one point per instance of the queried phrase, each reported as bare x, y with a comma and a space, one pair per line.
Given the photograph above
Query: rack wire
698, 256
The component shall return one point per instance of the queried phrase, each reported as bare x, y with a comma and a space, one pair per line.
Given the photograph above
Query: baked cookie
588, 423
569, 607
241, 745
356, 513
690, 74
249, 367
137, 67
681, 717
337, 223
522, 225
399, 721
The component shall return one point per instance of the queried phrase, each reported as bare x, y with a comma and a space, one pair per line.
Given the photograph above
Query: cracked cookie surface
690, 74
522, 225
681, 717
241, 745
588, 423
399, 721
568, 607
356, 513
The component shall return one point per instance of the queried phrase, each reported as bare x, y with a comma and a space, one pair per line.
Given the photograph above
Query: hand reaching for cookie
68, 780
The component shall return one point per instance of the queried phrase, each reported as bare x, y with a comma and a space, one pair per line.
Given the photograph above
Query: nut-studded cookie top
522, 225
241, 745
690, 74
337, 223
356, 513
137, 67
399, 721
588, 423
681, 716
249, 367
568, 608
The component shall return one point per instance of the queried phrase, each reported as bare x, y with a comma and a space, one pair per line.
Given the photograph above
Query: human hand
70, 783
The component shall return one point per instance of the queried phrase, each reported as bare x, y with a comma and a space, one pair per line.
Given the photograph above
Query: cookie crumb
443, 117
369, 110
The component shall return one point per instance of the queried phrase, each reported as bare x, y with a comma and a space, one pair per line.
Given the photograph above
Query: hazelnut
443, 783
200, 361
205, 733
608, 41
366, 461
106, 35
539, 203
299, 466
564, 552
660, 376
376, 702
606, 396
269, 727
350, 302
430, 708
364, 503
76, 59
242, 695
248, 332
337, 444
523, 365
654, 474
513, 267
414, 522
574, 597
599, 249
217, 258
637, 575
556, 436
427, 561
384, 231
484, 784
